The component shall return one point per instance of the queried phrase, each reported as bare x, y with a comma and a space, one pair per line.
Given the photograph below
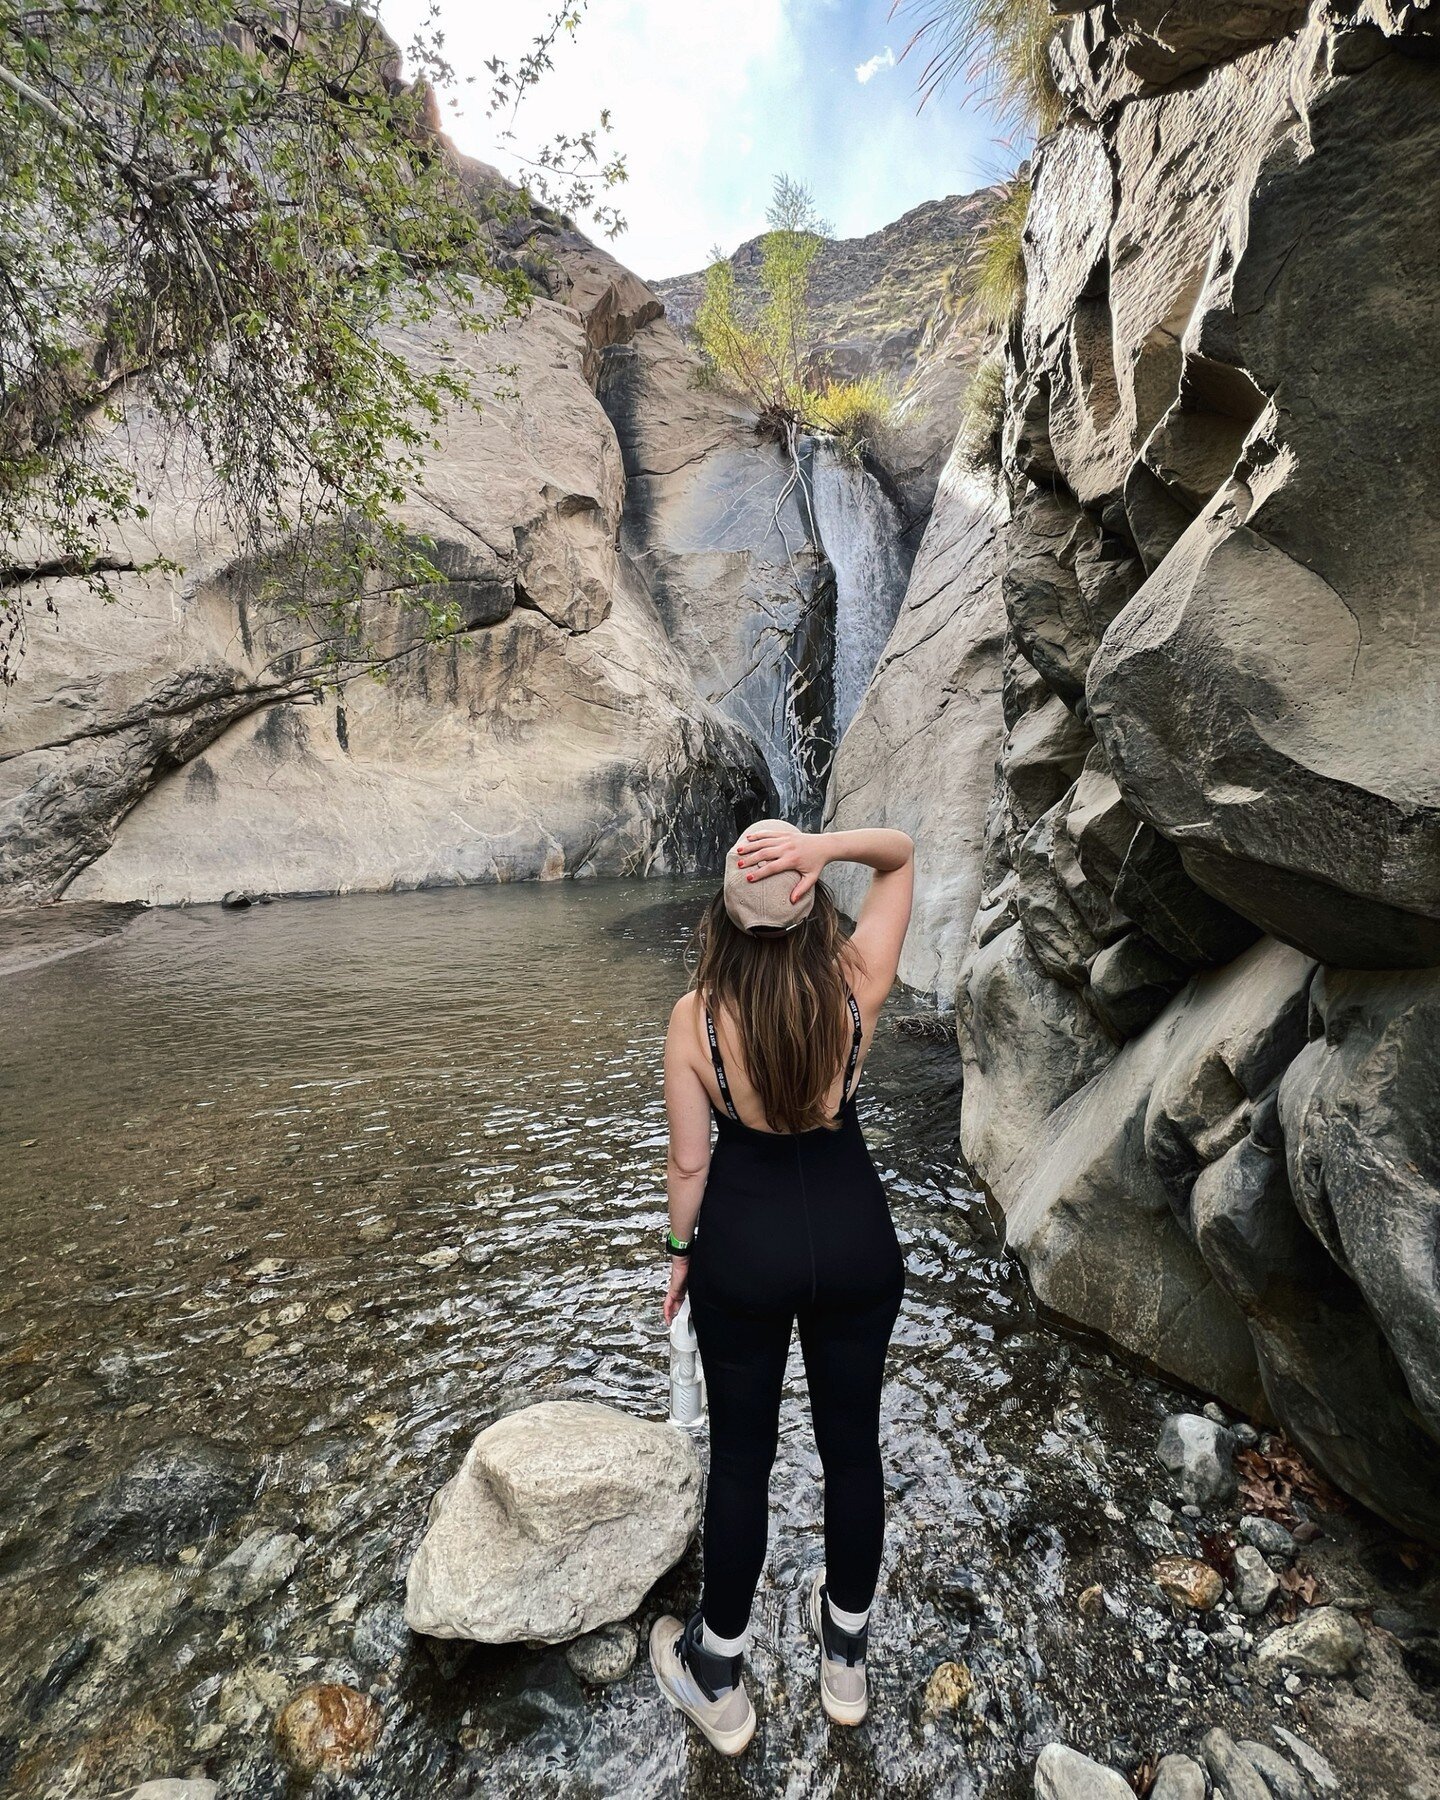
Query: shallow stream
318, 1190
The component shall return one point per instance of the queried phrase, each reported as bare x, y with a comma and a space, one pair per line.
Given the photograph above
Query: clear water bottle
687, 1384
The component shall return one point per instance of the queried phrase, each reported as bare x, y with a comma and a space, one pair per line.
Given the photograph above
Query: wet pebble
604, 1655
948, 1689
1187, 1582
173, 1787
381, 1635
251, 1694
257, 1566
132, 1608
168, 1497
327, 1729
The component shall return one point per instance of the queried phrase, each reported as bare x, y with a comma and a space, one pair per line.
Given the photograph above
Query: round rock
604, 1655
327, 1729
559, 1520
1188, 1582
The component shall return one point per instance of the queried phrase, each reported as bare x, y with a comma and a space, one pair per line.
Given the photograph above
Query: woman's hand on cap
771, 849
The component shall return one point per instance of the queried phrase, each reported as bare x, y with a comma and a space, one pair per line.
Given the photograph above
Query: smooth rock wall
920, 752
185, 740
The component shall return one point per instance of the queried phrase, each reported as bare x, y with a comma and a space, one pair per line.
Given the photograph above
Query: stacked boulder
1200, 1007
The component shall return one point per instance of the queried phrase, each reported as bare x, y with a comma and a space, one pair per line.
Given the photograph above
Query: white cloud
689, 90
710, 100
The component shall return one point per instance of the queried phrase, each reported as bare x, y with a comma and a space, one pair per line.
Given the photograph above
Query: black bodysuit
792, 1225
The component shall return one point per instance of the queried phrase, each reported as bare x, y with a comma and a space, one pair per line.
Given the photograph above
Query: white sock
718, 1646
854, 1623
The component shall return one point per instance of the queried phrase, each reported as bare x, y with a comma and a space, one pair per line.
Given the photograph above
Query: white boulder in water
560, 1519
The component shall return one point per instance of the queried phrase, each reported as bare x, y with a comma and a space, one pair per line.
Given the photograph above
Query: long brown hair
785, 996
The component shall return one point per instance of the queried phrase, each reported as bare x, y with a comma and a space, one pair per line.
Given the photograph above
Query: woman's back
719, 1041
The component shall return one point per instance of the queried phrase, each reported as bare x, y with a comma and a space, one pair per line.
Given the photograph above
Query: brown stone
949, 1687
1186, 1582
327, 1729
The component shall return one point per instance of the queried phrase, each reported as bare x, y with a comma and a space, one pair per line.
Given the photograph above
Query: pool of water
320, 1189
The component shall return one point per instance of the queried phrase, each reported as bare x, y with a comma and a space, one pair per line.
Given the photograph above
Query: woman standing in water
785, 1220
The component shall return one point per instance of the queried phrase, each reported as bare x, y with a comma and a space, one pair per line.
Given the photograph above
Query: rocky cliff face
643, 658
887, 304
1199, 1009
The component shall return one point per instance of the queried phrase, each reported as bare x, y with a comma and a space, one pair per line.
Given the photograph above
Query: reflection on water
322, 1189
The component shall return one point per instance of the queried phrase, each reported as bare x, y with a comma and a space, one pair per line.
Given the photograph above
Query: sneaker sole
728, 1743
838, 1711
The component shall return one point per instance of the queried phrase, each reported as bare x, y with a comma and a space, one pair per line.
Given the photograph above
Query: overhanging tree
224, 207
764, 349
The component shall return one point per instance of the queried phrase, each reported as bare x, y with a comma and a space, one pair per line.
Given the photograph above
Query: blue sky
712, 98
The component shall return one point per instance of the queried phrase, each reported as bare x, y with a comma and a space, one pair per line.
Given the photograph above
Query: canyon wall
1199, 1006
642, 661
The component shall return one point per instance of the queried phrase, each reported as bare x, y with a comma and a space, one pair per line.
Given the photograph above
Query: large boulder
1093, 1222
1028, 1044
1232, 1034
1329, 1375
1360, 1107
1267, 700
170, 1496
1065, 580
558, 1521
933, 702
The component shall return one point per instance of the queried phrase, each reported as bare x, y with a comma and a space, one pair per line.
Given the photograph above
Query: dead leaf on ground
1299, 1587
1271, 1483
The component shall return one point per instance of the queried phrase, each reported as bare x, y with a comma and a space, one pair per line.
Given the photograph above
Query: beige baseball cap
763, 907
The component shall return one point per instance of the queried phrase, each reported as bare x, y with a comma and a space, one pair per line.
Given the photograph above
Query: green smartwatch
676, 1246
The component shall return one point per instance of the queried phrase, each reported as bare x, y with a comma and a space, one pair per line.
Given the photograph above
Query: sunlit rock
559, 1520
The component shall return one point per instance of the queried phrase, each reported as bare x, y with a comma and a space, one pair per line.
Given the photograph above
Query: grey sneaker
708, 1689
842, 1661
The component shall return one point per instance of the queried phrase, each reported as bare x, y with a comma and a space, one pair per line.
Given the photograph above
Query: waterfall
861, 530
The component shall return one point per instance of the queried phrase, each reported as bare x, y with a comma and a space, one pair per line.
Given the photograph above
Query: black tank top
724, 1085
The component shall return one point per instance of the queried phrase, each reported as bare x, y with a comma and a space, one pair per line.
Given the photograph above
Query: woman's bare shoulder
861, 980
685, 1014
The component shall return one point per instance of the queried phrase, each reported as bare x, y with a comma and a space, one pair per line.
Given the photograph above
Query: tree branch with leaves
220, 211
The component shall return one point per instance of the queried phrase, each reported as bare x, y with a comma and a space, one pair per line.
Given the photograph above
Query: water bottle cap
682, 1328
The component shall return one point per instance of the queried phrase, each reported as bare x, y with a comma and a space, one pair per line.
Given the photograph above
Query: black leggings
793, 1227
